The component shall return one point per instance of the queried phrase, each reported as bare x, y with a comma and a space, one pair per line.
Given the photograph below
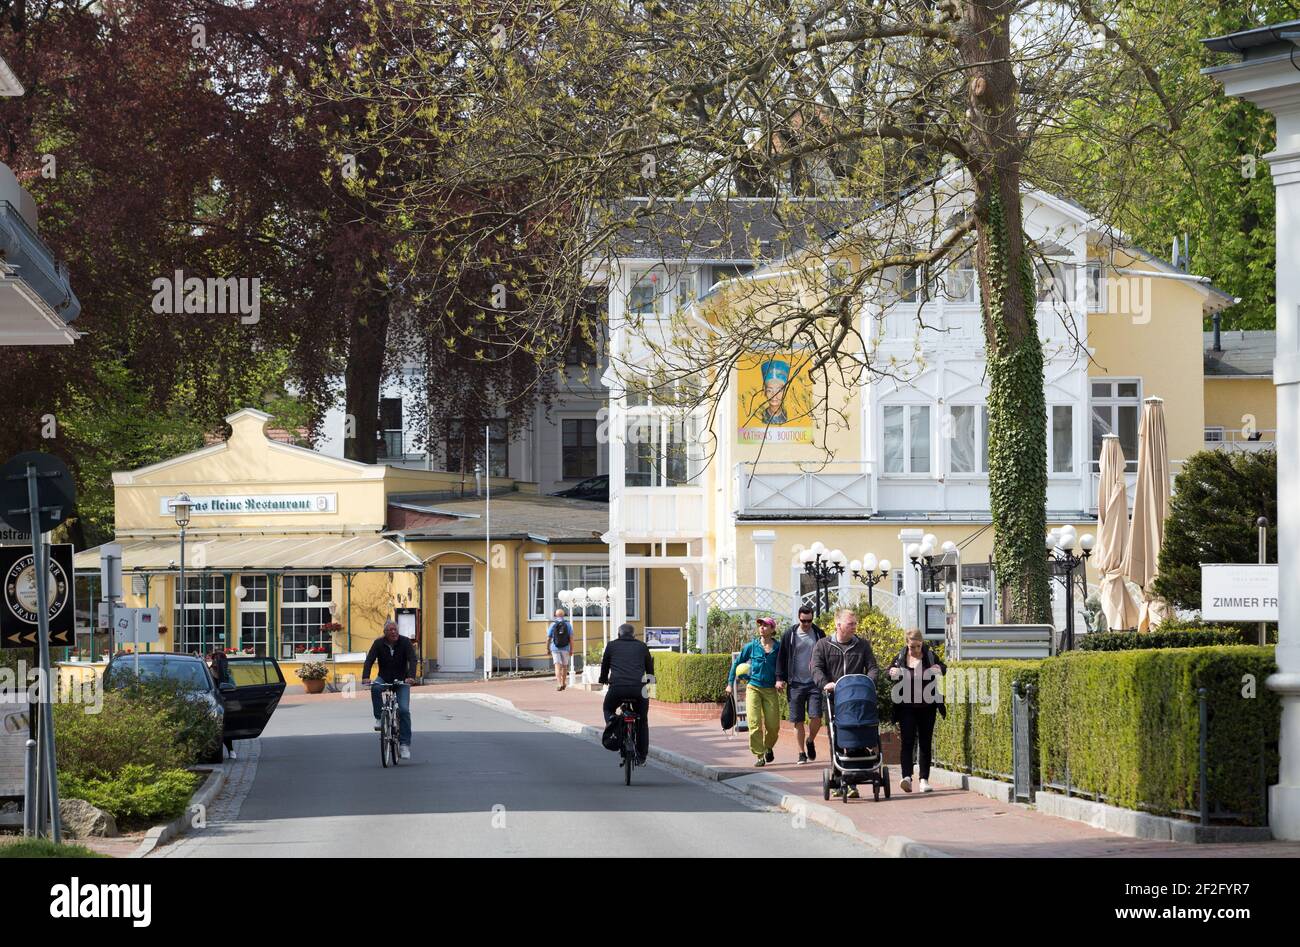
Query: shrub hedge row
1161, 638
975, 737
690, 678
1125, 726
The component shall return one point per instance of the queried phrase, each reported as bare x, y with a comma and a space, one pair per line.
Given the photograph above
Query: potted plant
313, 674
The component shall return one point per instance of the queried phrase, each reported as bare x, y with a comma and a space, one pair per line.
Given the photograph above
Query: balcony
662, 513
793, 488
36, 299
1264, 439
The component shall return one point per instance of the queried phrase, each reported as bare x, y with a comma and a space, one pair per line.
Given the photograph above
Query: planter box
709, 711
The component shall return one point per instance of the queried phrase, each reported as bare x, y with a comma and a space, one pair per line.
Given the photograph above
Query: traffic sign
19, 621
55, 494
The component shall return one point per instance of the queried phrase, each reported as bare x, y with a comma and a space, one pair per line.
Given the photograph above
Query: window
199, 625
1096, 277
1214, 435
655, 451
1060, 447
960, 280
1116, 407
727, 271
390, 427
537, 593
253, 613
578, 450
1055, 281
583, 344
910, 289
302, 614
586, 576
456, 575
647, 287
458, 437
969, 429
906, 438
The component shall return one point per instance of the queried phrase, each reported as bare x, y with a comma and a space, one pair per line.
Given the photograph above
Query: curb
763, 790
1143, 825
162, 834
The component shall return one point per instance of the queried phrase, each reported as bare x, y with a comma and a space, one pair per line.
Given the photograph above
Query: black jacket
626, 662
832, 660
928, 660
396, 661
787, 650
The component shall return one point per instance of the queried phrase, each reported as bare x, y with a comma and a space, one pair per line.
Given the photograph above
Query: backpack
560, 634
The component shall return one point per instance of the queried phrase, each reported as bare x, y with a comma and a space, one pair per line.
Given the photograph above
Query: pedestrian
559, 641
794, 676
917, 699
220, 668
762, 705
840, 654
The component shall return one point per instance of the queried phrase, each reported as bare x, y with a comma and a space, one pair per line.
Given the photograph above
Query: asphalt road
482, 783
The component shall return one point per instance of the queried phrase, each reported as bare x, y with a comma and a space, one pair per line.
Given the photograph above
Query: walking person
794, 676
220, 667
762, 705
559, 641
917, 699
840, 654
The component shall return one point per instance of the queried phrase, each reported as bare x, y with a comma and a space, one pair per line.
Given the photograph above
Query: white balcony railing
662, 512
1263, 439
789, 488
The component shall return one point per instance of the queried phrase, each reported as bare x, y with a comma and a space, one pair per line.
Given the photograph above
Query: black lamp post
181, 507
870, 573
922, 556
1063, 561
824, 566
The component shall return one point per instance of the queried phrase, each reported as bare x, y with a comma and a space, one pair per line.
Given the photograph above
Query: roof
735, 230
1254, 43
1246, 353
327, 552
542, 519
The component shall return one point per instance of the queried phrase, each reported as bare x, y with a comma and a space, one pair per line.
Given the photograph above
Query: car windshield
188, 673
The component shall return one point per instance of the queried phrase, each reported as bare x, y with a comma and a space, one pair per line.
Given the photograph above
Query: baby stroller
854, 723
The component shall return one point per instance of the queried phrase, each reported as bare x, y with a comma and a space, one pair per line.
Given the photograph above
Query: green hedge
1124, 727
1162, 638
138, 796
971, 739
690, 678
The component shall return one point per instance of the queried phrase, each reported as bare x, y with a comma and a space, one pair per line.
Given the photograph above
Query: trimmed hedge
971, 739
690, 678
1161, 638
1125, 727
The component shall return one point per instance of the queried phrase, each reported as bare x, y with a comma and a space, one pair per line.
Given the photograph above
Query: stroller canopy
855, 702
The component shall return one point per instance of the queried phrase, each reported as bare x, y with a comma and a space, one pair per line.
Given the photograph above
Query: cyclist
624, 667
396, 657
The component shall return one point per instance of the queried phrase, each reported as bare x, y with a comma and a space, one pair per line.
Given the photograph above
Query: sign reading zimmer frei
1238, 592
256, 504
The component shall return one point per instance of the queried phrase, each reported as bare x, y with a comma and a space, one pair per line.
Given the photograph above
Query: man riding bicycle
396, 657
624, 667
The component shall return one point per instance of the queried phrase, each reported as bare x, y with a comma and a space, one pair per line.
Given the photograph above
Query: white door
455, 619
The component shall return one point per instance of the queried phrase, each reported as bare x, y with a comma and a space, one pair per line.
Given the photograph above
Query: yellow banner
774, 399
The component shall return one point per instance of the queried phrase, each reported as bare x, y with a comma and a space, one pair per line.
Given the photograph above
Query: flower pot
314, 686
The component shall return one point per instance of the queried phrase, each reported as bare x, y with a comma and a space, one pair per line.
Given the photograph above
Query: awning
321, 553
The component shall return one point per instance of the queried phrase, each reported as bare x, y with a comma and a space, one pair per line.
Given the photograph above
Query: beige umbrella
1150, 504
1112, 530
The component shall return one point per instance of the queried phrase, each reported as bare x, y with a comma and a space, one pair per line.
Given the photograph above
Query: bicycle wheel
629, 758
386, 739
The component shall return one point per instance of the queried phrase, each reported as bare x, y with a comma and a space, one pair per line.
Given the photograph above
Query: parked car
595, 489
243, 703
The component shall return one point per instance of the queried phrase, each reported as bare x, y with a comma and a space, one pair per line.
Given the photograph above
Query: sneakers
851, 790
770, 756
760, 762
925, 786
232, 754
811, 748
405, 752
803, 758
905, 784
377, 726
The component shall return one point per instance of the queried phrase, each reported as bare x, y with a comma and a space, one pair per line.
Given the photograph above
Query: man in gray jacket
842, 653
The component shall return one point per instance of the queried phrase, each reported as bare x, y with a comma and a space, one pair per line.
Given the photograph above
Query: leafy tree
1218, 496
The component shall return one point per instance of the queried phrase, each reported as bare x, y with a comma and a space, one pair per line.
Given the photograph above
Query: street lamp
580, 599
599, 596
1062, 561
181, 507
922, 556
823, 566
871, 572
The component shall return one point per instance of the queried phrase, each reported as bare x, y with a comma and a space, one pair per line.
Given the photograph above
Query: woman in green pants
762, 705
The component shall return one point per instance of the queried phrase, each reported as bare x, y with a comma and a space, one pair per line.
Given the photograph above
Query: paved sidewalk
954, 821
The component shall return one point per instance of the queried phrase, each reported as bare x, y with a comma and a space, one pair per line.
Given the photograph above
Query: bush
1162, 637
137, 796
125, 731
729, 631
971, 739
690, 678
1124, 727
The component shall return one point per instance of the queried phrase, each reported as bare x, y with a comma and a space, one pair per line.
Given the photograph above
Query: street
480, 782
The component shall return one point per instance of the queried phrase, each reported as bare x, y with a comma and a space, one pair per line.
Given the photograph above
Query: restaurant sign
259, 504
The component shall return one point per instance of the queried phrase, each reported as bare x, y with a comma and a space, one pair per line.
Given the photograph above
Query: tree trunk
363, 376
1017, 405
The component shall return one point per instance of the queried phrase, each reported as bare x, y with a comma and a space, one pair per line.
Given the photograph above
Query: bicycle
389, 726
627, 752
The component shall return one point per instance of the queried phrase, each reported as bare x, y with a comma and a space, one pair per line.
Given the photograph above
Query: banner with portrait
774, 398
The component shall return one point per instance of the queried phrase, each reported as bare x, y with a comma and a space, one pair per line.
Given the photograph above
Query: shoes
853, 792
925, 786
803, 758
405, 752
760, 762
564, 685
811, 748
377, 727
770, 756
905, 784
232, 755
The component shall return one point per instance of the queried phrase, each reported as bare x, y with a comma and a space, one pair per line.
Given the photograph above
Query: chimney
1218, 324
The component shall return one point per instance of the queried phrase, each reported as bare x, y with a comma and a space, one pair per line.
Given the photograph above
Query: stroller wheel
826, 784
875, 792
884, 772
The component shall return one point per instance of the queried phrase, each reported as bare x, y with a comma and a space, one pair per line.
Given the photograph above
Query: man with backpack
559, 641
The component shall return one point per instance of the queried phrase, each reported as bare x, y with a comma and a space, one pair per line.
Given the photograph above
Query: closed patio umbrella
1112, 531
1150, 504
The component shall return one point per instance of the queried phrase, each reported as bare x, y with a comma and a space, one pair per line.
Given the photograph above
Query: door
455, 618
258, 687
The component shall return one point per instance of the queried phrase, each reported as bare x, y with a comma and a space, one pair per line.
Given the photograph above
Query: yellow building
1240, 399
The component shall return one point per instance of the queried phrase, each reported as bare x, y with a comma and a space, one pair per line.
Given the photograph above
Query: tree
1217, 498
